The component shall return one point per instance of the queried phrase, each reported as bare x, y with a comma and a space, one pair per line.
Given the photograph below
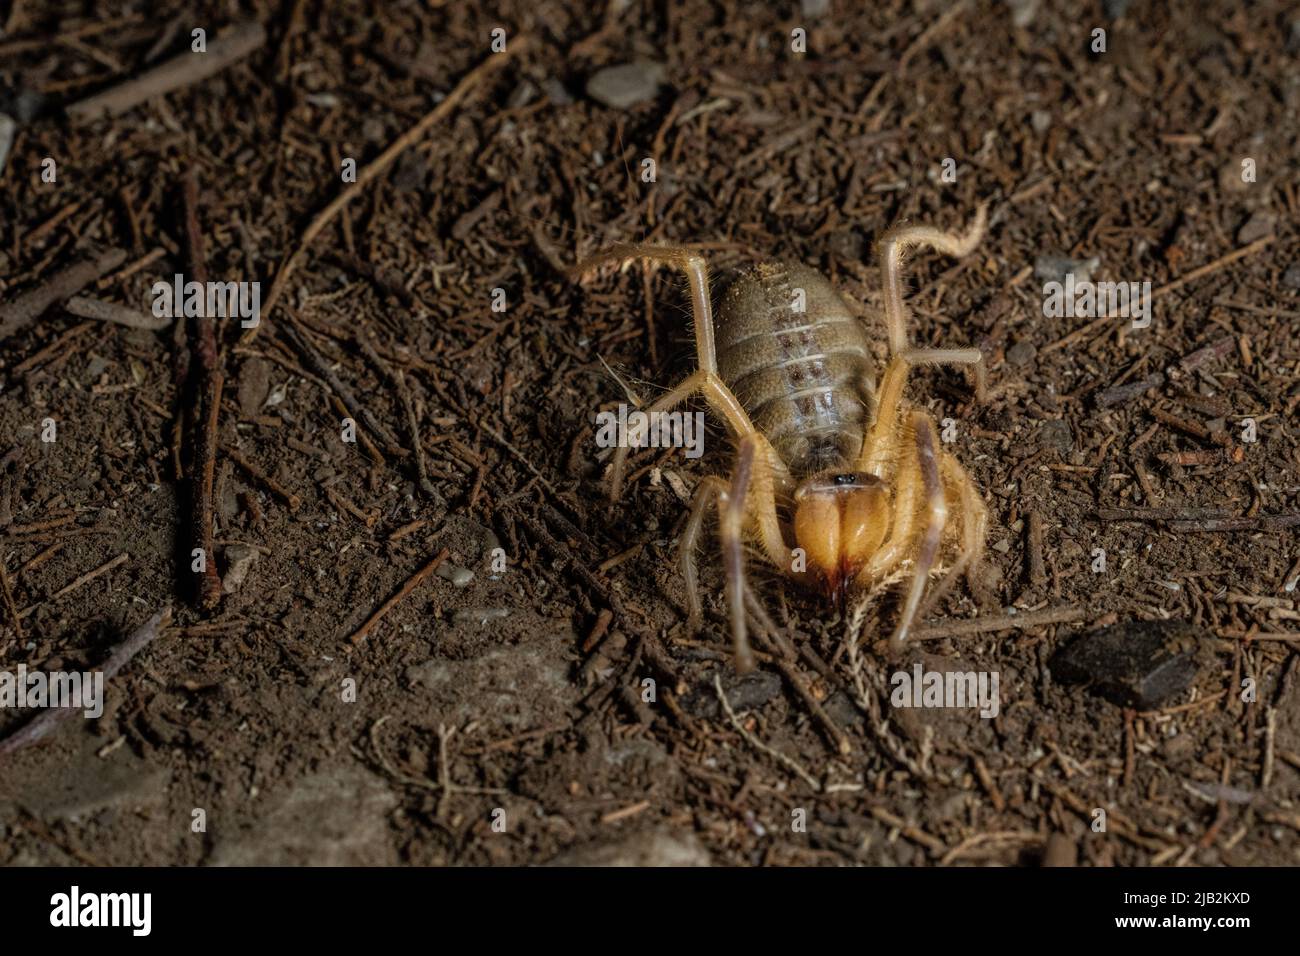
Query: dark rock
1056, 434
1291, 278
1138, 664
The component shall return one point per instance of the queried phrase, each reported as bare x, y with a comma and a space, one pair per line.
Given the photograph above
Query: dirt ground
506, 718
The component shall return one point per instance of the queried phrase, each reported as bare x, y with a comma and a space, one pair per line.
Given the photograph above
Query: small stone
411, 172
254, 386
653, 848
556, 92
458, 576
1291, 278
1138, 664
1022, 12
1021, 354
479, 615
1056, 434
521, 95
752, 690
1258, 226
239, 561
1056, 268
624, 86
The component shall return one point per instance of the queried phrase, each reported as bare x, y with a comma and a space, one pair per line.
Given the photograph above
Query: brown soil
516, 692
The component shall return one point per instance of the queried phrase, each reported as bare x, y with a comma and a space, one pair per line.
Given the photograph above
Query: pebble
254, 386
458, 576
1258, 226
1055, 268
624, 86
479, 615
1140, 664
661, 847
1056, 434
239, 561
1022, 354
1291, 278
1022, 12
556, 92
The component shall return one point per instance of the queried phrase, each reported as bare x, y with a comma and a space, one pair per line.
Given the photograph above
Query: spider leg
936, 511
706, 381
708, 489
897, 241
974, 528
731, 517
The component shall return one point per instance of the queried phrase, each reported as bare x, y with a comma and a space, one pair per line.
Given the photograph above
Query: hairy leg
935, 509
897, 241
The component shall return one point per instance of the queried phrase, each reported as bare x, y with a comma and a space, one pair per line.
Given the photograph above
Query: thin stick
84, 579
180, 71
103, 311
10, 607
277, 489
208, 591
40, 728
27, 308
345, 394
1214, 266
396, 599
1008, 622
377, 167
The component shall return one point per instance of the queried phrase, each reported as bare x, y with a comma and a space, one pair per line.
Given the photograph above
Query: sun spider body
840, 481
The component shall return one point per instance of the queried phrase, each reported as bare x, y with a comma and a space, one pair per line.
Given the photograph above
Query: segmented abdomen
804, 377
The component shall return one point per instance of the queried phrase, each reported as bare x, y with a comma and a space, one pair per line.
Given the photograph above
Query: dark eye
850, 479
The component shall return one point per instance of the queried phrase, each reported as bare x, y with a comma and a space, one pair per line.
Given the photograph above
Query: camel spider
842, 483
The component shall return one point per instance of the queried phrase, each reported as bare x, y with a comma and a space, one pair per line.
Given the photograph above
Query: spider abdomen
799, 361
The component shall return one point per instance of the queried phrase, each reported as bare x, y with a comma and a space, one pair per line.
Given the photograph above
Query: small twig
412, 583
277, 489
1007, 622
27, 308
10, 607
180, 71
40, 728
210, 383
345, 394
83, 579
408, 406
111, 312
1034, 548
1214, 266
